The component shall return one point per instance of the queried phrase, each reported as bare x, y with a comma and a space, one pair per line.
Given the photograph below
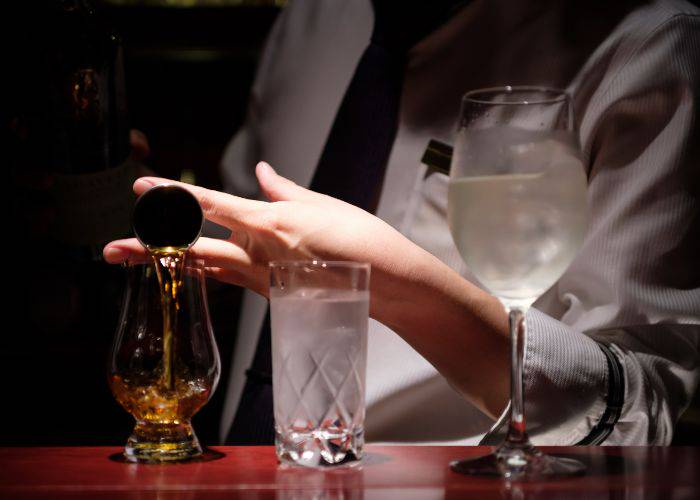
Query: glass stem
516, 427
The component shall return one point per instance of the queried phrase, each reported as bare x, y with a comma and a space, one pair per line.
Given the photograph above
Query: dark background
188, 74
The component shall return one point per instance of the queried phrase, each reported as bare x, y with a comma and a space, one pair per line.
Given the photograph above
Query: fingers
120, 251
223, 260
278, 188
221, 253
225, 209
257, 282
214, 253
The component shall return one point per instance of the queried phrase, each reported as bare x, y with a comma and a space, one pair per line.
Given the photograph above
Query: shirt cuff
565, 379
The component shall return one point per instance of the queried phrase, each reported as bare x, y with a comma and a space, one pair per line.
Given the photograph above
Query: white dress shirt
636, 282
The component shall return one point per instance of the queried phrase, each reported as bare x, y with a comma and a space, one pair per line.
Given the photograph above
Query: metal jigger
167, 216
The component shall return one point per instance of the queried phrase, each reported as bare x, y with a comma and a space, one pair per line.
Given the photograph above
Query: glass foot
154, 443
525, 463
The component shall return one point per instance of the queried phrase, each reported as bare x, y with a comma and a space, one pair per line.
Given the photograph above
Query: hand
439, 313
296, 224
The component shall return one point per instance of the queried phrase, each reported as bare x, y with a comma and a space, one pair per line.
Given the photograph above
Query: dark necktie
351, 166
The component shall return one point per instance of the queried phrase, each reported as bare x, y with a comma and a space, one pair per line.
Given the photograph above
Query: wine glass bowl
162, 383
518, 215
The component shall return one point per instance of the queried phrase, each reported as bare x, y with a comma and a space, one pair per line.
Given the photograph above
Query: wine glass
518, 214
164, 363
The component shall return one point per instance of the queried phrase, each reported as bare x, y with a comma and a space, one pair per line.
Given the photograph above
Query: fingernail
266, 166
115, 254
143, 183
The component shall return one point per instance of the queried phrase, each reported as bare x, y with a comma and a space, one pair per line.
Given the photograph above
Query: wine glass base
525, 463
154, 443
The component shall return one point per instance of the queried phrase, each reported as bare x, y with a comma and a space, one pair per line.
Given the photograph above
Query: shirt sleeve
635, 285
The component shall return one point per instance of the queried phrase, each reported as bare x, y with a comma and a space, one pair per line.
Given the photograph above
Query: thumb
278, 188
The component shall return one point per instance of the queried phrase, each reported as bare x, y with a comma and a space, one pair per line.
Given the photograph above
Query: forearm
459, 328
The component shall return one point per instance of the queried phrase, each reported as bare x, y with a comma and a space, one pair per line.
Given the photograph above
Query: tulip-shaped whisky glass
518, 214
164, 363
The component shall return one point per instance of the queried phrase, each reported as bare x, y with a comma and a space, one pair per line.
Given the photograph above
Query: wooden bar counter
387, 472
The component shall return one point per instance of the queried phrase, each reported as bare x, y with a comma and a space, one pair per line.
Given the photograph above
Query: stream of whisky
169, 264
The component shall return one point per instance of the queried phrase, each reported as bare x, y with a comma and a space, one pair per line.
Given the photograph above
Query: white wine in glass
518, 215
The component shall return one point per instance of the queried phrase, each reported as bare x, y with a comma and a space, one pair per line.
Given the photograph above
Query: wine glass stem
516, 428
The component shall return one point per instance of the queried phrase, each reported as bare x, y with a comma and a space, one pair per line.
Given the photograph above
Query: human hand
296, 224
434, 309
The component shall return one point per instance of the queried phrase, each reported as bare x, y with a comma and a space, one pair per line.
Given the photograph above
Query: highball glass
319, 312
